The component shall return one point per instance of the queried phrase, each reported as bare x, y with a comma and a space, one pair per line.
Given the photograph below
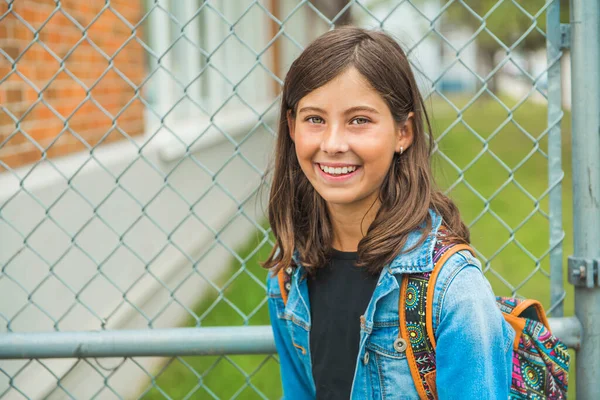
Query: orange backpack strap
415, 308
433, 279
284, 277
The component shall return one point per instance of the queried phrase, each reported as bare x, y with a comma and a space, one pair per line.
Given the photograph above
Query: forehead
345, 90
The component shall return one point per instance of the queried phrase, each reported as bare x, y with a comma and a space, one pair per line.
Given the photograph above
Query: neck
350, 222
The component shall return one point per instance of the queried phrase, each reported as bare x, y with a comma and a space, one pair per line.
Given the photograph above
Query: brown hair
298, 214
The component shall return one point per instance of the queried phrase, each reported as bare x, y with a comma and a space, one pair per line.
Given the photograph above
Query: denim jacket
474, 342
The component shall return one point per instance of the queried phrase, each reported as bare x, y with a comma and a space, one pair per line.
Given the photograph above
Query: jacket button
400, 345
366, 358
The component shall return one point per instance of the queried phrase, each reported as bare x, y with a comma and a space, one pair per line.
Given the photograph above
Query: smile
337, 172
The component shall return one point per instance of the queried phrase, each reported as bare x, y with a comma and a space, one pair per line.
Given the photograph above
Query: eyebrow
351, 110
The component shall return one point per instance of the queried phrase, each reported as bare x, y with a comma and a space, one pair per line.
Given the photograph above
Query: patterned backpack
540, 361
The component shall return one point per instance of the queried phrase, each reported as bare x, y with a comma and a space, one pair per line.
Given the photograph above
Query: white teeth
338, 170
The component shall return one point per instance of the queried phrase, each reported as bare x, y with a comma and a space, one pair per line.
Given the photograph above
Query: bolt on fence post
585, 66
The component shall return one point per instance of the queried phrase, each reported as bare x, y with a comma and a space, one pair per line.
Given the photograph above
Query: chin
338, 198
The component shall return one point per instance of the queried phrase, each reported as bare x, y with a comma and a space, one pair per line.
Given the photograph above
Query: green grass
225, 376
511, 205
486, 175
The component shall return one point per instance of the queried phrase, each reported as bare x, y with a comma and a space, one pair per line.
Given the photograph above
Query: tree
507, 22
330, 8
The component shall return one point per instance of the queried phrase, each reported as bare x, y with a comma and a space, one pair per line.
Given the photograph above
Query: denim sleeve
474, 342
293, 375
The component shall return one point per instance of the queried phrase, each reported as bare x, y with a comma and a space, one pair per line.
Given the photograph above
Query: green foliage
508, 20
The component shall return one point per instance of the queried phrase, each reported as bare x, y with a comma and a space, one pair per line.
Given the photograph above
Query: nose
334, 140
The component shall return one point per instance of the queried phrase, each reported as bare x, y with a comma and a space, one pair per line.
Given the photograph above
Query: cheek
304, 155
377, 159
306, 147
378, 168
376, 153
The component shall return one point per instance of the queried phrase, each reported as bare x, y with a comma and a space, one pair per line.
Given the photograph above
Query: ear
405, 133
291, 124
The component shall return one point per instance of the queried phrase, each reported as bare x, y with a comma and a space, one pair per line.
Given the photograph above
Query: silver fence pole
583, 265
177, 341
140, 343
554, 47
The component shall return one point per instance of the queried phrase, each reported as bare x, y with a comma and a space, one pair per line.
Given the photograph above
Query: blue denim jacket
474, 342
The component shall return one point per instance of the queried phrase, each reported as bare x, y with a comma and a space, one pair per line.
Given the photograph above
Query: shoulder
461, 280
457, 262
464, 301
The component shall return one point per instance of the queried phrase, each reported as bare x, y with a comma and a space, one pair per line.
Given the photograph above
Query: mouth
338, 172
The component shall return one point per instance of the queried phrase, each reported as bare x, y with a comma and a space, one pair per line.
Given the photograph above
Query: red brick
16, 140
20, 157
21, 32
12, 49
64, 94
60, 149
4, 29
6, 120
14, 95
42, 132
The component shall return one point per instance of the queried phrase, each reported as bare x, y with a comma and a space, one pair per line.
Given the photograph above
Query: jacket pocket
382, 338
389, 367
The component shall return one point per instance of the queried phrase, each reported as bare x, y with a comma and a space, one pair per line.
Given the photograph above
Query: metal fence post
583, 266
555, 171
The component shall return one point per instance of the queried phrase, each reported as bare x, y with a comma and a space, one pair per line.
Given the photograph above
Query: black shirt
339, 295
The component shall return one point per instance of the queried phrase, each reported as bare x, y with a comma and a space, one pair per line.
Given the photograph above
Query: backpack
540, 361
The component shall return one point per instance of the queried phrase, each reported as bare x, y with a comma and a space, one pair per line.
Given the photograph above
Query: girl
353, 208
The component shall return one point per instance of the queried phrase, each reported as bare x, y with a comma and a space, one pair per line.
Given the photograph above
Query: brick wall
54, 79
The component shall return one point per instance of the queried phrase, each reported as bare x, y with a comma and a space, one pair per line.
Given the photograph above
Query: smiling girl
354, 210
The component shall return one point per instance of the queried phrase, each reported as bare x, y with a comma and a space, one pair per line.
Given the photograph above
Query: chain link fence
135, 143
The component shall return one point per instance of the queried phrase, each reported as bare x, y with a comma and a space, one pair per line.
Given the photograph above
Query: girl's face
345, 139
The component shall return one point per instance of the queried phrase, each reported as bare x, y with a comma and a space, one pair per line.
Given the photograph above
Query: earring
401, 150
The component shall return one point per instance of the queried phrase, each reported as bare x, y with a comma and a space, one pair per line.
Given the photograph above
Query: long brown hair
298, 214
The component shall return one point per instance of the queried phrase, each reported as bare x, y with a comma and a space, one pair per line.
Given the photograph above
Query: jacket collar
419, 259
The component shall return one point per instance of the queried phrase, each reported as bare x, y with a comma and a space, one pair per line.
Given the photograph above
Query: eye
315, 120
360, 121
